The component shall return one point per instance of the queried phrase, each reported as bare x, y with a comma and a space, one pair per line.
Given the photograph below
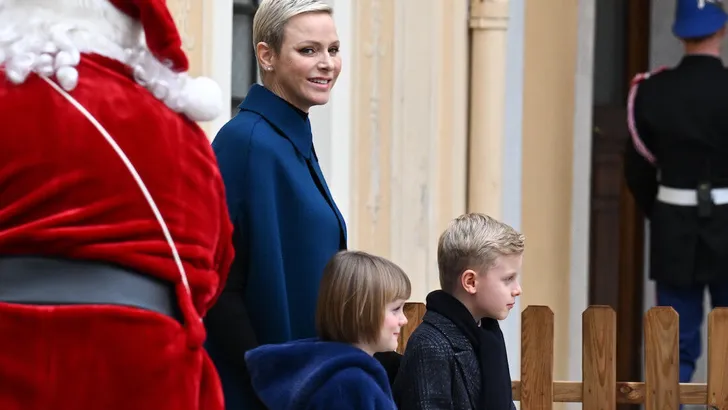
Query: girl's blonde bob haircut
354, 291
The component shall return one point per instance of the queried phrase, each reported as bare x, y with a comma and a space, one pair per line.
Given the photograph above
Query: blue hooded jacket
311, 374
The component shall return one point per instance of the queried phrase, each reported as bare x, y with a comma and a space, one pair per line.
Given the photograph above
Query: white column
331, 123
511, 165
488, 28
581, 186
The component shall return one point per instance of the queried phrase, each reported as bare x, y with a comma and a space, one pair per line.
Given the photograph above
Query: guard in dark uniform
676, 167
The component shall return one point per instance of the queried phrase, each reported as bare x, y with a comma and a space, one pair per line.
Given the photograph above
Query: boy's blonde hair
354, 291
474, 241
270, 19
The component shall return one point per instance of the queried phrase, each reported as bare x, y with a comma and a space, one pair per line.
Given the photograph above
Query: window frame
247, 10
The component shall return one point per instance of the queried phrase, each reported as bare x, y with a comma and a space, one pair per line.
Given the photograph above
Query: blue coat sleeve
249, 166
262, 222
228, 323
351, 389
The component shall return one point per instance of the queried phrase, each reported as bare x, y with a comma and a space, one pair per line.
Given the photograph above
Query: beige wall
548, 118
409, 113
206, 31
189, 18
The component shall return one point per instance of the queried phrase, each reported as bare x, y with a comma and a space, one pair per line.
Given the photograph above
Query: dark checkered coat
439, 370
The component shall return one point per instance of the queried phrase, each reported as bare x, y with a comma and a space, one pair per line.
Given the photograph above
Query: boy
456, 359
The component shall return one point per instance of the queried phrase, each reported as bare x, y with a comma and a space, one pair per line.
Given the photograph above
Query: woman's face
305, 69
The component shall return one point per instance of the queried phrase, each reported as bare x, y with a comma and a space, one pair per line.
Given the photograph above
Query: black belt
48, 281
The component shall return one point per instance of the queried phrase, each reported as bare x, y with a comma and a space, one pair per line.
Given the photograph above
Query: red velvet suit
65, 193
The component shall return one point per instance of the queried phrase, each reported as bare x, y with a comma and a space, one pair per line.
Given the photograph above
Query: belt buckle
705, 200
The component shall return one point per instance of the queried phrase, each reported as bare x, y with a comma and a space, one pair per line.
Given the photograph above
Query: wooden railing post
718, 358
662, 359
599, 351
537, 358
413, 311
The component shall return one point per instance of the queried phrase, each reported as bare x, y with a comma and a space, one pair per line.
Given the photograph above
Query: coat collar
465, 355
451, 332
701, 60
282, 116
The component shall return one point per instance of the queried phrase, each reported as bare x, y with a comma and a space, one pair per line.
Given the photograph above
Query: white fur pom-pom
63, 58
20, 68
203, 99
44, 65
67, 77
49, 48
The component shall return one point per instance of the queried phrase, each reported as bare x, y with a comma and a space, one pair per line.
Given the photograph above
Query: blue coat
286, 228
316, 375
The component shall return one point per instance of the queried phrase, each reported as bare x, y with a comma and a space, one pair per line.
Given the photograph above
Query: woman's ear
266, 56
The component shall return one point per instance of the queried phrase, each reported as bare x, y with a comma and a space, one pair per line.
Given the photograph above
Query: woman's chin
319, 99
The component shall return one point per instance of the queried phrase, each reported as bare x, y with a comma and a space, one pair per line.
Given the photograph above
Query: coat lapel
282, 116
467, 361
468, 366
320, 176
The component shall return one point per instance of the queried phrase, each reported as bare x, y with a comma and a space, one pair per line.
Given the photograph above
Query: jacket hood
287, 375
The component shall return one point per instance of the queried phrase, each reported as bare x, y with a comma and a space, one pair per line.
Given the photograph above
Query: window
245, 67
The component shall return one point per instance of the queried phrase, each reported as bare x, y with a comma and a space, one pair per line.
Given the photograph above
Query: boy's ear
468, 281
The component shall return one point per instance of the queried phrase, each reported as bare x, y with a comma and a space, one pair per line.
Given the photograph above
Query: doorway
616, 250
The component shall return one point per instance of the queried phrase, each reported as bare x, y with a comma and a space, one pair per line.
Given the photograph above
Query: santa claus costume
114, 234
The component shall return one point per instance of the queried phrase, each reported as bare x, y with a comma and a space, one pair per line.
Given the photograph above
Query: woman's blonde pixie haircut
354, 291
270, 20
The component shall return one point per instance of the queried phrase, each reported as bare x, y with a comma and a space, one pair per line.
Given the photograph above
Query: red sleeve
65, 193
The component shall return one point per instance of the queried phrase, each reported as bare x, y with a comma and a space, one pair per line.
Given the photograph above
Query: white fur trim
47, 37
200, 99
204, 97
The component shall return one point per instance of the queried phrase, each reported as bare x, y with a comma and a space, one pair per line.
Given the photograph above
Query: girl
359, 313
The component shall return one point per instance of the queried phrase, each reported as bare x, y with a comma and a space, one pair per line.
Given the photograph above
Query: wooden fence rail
599, 388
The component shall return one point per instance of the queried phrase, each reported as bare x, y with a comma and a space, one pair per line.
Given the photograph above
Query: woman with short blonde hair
359, 313
286, 223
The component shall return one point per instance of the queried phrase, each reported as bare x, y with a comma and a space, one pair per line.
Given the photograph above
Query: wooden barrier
599, 388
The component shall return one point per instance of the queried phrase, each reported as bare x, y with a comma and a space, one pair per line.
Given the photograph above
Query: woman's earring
269, 68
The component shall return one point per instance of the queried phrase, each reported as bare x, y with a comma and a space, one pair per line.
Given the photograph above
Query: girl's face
394, 319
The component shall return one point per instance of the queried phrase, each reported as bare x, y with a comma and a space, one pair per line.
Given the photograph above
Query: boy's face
496, 290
